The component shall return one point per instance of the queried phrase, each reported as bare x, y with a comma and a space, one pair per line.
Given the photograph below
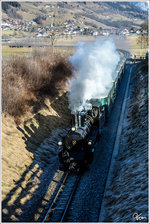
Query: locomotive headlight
74, 142
73, 129
89, 143
59, 143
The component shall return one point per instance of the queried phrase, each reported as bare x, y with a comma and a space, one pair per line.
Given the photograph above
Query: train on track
76, 149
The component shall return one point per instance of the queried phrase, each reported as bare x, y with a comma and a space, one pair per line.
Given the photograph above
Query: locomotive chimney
76, 121
79, 119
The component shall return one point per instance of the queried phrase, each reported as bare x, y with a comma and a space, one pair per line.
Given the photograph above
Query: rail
63, 180
59, 206
70, 199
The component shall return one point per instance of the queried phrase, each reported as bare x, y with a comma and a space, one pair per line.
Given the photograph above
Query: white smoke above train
94, 66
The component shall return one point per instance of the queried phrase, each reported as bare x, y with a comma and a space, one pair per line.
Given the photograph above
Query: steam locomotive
76, 149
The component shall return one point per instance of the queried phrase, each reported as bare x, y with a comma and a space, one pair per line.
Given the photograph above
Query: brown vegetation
29, 142
30, 148
26, 80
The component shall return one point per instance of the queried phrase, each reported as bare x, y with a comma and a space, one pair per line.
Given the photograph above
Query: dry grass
23, 155
34, 104
25, 81
135, 46
8, 52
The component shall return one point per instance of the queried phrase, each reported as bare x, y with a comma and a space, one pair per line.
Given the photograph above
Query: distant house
125, 32
105, 33
145, 31
33, 23
95, 33
138, 31
5, 26
39, 35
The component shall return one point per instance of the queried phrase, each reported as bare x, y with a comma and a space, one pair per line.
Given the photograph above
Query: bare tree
142, 39
56, 21
53, 39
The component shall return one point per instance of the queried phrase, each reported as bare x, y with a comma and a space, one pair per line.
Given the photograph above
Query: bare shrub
15, 97
25, 81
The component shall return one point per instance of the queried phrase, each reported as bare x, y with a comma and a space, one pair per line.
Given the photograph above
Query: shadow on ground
30, 182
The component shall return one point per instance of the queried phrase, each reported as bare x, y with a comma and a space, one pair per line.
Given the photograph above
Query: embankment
34, 106
126, 198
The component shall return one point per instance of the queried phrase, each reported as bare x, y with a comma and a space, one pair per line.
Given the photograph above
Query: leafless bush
25, 80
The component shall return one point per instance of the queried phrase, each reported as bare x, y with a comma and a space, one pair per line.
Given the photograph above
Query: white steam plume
94, 65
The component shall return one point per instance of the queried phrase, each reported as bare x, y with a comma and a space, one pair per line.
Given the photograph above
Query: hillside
34, 104
106, 15
29, 149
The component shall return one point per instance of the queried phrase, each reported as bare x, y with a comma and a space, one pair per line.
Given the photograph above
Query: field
8, 52
67, 46
135, 46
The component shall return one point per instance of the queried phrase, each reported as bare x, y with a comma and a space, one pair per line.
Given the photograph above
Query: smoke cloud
94, 71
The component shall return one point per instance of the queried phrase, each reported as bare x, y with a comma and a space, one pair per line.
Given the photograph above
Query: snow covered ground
126, 198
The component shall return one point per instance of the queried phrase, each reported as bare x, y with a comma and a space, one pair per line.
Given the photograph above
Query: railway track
59, 205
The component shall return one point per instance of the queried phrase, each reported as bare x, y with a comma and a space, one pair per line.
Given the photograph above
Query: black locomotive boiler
78, 146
